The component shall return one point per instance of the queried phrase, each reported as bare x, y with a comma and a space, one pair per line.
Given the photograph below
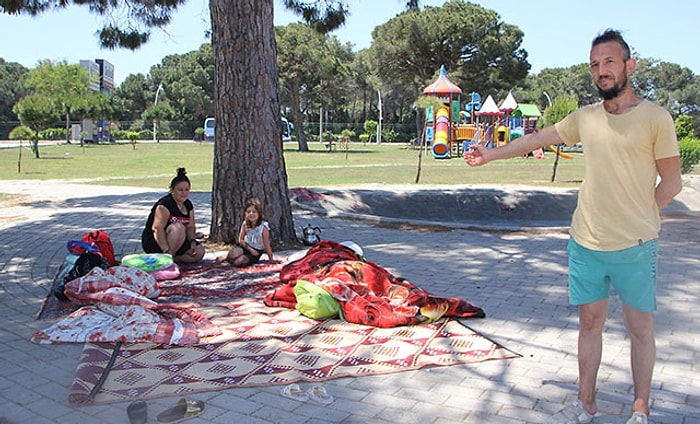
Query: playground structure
448, 133
443, 130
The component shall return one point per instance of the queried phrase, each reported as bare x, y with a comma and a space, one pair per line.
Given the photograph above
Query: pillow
169, 273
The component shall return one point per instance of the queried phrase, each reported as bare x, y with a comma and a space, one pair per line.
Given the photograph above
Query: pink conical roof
509, 104
489, 108
442, 85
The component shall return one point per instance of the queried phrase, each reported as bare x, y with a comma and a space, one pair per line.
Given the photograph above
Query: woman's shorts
632, 272
150, 245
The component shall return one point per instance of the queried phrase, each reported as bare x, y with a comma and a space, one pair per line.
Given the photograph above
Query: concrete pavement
518, 277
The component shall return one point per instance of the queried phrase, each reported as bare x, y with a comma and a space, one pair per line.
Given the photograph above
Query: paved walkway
519, 279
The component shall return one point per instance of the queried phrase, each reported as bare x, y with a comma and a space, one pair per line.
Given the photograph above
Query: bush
198, 134
119, 134
389, 135
21, 132
690, 153
684, 126
53, 134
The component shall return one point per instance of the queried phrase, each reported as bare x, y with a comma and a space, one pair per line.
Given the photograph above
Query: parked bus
287, 129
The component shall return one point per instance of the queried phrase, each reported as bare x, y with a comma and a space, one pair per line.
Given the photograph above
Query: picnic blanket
264, 346
119, 308
367, 293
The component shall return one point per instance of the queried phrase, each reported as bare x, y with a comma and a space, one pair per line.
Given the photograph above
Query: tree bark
248, 155
298, 118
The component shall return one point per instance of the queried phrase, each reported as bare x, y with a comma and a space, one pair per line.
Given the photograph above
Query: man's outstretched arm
480, 155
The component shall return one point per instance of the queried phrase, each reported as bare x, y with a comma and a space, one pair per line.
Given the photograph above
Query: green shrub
690, 153
53, 134
21, 132
684, 126
119, 134
389, 136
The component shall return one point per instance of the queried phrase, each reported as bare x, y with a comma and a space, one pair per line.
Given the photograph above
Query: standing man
629, 142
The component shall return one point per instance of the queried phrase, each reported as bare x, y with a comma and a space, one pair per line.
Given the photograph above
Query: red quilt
367, 293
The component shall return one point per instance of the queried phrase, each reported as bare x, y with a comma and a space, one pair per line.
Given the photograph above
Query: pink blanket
118, 309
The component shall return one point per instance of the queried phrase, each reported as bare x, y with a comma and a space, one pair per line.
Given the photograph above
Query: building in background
100, 78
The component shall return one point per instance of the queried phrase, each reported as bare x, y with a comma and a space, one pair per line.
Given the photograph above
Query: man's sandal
572, 413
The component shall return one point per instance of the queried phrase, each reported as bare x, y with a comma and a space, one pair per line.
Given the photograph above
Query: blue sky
557, 32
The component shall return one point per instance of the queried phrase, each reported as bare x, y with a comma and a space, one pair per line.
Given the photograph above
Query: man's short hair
613, 35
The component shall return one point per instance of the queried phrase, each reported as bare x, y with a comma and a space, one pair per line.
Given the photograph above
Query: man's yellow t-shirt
616, 206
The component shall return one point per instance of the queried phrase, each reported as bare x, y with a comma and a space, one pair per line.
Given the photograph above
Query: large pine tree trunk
248, 156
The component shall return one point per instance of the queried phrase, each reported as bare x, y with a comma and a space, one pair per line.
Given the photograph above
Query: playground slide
561, 154
441, 149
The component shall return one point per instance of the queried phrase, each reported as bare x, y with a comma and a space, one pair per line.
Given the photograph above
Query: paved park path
519, 278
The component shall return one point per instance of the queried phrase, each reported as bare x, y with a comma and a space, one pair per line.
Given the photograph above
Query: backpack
103, 242
83, 265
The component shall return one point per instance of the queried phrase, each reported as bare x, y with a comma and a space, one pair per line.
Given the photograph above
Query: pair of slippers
316, 393
183, 410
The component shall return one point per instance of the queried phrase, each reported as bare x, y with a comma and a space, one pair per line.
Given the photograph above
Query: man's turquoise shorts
632, 272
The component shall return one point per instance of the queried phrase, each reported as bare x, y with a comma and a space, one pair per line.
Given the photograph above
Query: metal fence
185, 130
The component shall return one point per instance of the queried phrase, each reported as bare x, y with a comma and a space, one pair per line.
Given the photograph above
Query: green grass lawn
153, 165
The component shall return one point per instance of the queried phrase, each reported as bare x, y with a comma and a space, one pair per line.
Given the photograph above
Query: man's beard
613, 91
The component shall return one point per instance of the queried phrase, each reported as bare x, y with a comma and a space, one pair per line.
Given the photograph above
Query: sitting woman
170, 227
253, 237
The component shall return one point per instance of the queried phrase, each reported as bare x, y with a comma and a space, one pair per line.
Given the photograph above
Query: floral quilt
367, 293
119, 308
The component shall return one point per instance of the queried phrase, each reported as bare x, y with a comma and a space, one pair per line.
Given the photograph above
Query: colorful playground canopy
489, 108
442, 85
527, 110
509, 104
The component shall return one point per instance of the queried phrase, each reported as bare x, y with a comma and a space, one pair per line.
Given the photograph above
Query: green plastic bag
314, 302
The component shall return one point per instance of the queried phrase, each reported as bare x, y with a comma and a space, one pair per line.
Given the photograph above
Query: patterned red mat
264, 346
200, 281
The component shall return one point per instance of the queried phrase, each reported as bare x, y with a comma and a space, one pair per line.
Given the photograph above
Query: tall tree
313, 68
480, 52
668, 84
189, 82
12, 76
65, 84
574, 81
248, 158
129, 99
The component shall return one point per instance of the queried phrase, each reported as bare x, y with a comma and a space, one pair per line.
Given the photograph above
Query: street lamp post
155, 103
549, 99
379, 124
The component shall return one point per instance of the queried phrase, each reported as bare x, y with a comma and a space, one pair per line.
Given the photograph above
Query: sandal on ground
294, 392
638, 418
318, 394
182, 411
572, 413
136, 411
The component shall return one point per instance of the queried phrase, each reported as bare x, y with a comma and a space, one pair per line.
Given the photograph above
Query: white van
209, 129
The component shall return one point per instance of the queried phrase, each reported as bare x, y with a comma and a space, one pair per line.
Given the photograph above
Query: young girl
253, 238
